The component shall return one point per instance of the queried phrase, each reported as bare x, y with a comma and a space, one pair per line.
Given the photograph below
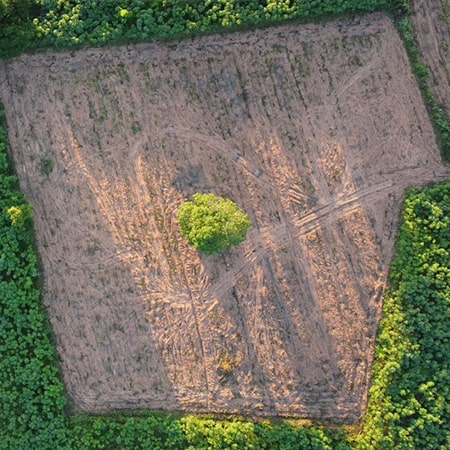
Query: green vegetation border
408, 405
409, 400
30, 24
31, 391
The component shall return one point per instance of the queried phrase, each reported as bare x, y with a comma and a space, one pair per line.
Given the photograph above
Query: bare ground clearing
431, 21
314, 130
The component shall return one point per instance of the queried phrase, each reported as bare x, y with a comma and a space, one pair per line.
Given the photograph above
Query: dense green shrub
164, 432
68, 22
15, 11
212, 224
18, 215
122, 432
17, 31
31, 393
409, 405
209, 434
75, 22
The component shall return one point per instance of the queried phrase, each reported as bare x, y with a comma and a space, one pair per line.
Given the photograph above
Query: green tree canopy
15, 11
211, 223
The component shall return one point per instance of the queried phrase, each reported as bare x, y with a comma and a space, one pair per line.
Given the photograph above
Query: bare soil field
314, 130
431, 21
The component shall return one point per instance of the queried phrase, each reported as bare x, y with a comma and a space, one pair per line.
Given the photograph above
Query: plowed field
313, 130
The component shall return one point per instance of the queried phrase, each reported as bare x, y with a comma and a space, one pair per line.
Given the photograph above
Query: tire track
348, 204
279, 234
312, 221
195, 295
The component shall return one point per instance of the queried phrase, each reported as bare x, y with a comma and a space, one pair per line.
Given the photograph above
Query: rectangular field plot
313, 130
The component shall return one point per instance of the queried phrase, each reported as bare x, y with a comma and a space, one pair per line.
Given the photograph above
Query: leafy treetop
211, 223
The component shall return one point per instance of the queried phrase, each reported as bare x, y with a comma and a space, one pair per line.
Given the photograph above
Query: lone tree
211, 223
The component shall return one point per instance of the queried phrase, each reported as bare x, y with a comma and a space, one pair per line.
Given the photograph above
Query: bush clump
211, 223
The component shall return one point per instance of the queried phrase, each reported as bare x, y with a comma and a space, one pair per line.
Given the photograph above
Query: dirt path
314, 130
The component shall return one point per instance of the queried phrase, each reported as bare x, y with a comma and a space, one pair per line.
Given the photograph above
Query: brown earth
431, 22
314, 130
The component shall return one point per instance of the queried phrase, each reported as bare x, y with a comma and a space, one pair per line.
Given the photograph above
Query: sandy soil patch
314, 130
431, 21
